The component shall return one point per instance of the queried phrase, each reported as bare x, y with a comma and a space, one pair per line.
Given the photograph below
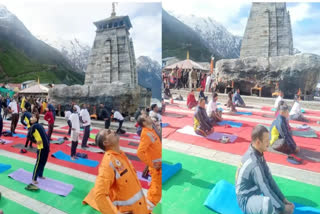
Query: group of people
117, 188
188, 78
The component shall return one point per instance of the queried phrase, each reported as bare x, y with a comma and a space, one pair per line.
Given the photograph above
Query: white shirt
13, 106
84, 114
212, 106
279, 98
208, 80
155, 115
74, 118
296, 109
117, 115
67, 114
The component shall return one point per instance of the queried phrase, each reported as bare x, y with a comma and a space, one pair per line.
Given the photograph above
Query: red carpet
243, 141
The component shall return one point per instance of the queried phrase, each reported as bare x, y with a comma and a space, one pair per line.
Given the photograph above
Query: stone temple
268, 31
111, 77
266, 56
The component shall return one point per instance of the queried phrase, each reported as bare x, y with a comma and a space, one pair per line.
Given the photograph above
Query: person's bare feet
34, 182
72, 158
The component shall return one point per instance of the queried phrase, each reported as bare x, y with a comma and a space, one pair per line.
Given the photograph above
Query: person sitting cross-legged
256, 190
212, 110
295, 113
280, 136
191, 100
203, 125
237, 99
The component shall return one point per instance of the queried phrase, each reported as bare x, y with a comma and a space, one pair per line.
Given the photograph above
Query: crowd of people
188, 78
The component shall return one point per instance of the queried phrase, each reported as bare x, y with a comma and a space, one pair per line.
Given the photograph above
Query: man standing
26, 121
149, 152
39, 136
14, 109
104, 115
256, 190
50, 119
75, 130
85, 118
194, 77
117, 188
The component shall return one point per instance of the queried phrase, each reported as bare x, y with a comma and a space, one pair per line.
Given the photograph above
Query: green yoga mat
8, 206
187, 191
70, 204
92, 136
307, 133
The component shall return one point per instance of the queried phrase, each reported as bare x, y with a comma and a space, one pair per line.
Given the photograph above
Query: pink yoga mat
47, 184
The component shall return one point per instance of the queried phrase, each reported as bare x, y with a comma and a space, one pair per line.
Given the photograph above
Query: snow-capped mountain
149, 75
218, 38
77, 52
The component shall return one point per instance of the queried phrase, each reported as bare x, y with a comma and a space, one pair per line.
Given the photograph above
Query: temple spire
113, 9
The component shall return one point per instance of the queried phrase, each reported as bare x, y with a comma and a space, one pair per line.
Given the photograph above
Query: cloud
300, 12
307, 43
69, 20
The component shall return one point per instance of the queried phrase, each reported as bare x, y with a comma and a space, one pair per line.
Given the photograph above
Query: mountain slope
176, 36
216, 35
23, 57
149, 75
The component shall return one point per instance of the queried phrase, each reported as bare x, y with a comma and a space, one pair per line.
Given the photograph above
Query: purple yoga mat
139, 174
47, 184
217, 136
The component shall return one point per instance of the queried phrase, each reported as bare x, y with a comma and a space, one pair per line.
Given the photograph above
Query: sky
305, 18
58, 20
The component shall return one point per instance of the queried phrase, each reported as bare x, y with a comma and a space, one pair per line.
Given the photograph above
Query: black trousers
107, 123
1, 124
42, 157
74, 148
69, 124
14, 122
50, 130
120, 125
85, 136
28, 139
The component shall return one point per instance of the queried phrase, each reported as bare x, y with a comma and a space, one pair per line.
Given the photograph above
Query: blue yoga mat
4, 167
163, 125
244, 113
83, 129
302, 110
222, 199
231, 123
169, 170
18, 135
62, 156
220, 109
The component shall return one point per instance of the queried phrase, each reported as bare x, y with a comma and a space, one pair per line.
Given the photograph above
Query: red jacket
49, 117
191, 99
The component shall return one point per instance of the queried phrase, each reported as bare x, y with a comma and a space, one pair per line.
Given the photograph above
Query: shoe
32, 187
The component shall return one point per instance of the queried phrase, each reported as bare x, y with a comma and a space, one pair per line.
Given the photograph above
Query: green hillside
175, 39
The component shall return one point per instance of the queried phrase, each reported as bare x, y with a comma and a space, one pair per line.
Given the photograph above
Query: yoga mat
71, 204
231, 123
4, 167
307, 133
243, 113
223, 199
174, 115
59, 141
81, 129
216, 136
302, 110
136, 137
46, 184
139, 174
8, 206
169, 170
21, 146
196, 179
90, 149
92, 136
3, 141
133, 144
163, 125
18, 135
62, 156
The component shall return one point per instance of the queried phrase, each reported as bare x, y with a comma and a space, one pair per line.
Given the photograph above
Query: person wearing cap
38, 135
14, 109
280, 134
75, 130
203, 125
256, 190
295, 113
26, 121
86, 120
117, 188
150, 153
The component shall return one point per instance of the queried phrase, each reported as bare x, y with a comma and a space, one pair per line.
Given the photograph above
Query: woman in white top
295, 113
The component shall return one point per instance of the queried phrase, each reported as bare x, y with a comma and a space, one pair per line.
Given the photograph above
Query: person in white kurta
75, 130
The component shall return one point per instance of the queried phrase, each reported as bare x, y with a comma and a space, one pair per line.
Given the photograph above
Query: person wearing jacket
26, 121
256, 190
237, 99
280, 134
203, 125
117, 188
150, 153
50, 119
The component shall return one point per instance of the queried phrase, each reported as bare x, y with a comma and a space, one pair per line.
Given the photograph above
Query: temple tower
268, 31
112, 56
